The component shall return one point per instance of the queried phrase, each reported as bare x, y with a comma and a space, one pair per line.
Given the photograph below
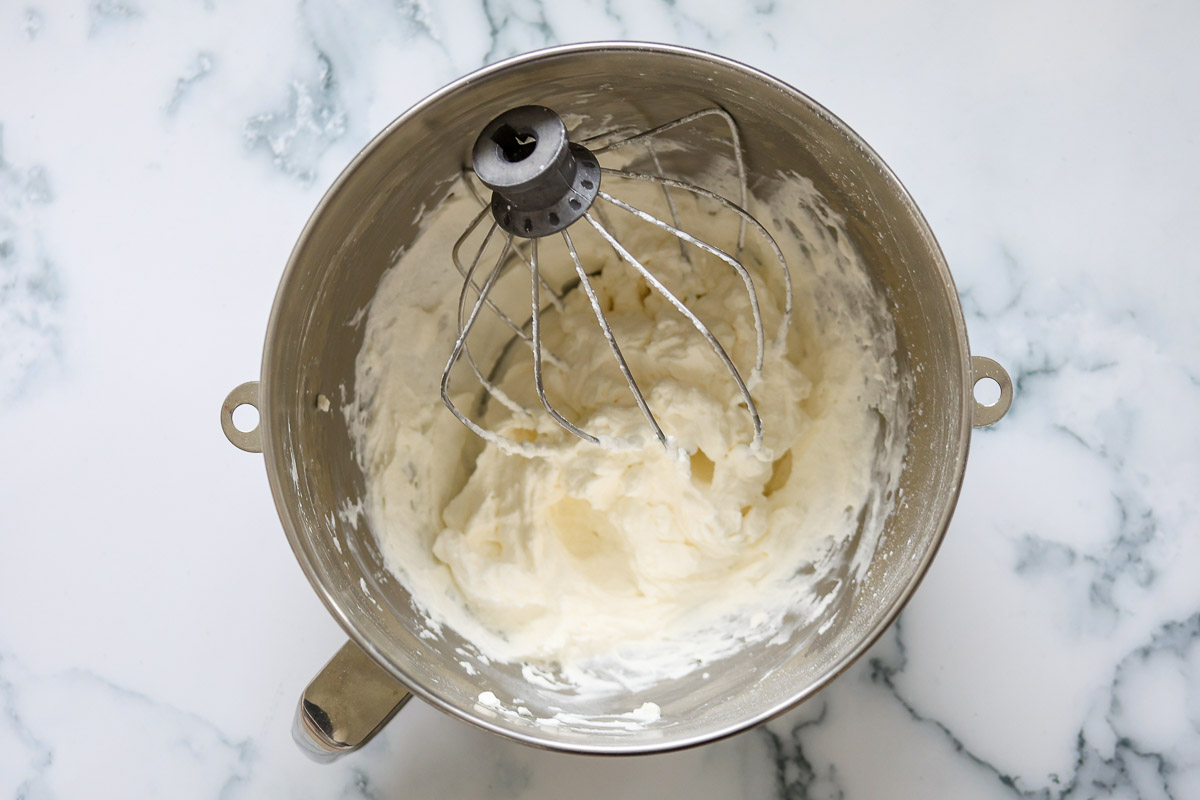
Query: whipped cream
617, 566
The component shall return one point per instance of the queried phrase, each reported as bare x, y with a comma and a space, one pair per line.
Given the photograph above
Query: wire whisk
542, 186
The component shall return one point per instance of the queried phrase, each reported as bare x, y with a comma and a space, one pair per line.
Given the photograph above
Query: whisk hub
541, 182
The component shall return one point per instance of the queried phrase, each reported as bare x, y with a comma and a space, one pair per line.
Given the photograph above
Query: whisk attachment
542, 184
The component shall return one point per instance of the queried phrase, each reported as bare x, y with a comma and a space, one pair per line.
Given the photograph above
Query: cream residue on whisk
602, 568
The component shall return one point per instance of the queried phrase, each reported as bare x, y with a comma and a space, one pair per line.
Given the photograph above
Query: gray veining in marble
33, 23
297, 134
197, 70
104, 13
31, 291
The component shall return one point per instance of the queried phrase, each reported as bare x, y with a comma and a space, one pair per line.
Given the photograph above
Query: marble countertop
156, 165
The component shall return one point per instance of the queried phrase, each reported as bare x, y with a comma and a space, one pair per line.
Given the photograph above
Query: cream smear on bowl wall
611, 569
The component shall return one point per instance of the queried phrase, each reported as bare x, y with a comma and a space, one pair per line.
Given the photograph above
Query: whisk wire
713, 343
465, 331
496, 391
746, 216
535, 325
586, 284
740, 268
666, 190
556, 298
735, 139
505, 318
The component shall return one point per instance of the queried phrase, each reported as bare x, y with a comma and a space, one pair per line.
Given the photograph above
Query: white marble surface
156, 165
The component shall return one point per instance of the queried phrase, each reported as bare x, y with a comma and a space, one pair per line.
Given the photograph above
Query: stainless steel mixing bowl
312, 341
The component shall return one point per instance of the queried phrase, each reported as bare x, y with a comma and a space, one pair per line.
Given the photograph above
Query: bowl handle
981, 369
349, 701
244, 395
